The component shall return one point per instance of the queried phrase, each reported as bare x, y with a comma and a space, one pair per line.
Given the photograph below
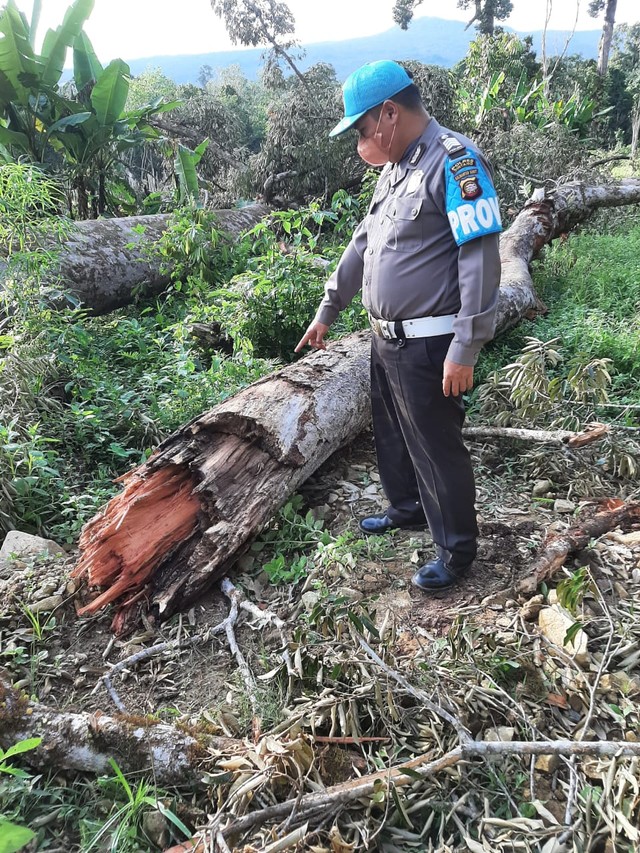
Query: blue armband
472, 203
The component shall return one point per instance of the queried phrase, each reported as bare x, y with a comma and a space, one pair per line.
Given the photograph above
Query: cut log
104, 262
244, 458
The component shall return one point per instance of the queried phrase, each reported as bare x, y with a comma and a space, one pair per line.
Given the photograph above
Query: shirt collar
426, 138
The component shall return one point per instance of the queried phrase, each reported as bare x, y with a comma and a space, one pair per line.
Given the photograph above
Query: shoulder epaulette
452, 146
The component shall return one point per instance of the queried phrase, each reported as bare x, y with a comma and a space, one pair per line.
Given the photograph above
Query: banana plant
83, 135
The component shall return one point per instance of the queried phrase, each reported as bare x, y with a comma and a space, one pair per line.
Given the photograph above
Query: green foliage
14, 837
572, 590
84, 135
532, 390
18, 748
266, 309
297, 159
289, 537
122, 831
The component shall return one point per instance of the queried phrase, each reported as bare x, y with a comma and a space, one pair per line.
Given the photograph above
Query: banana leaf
56, 42
109, 95
86, 66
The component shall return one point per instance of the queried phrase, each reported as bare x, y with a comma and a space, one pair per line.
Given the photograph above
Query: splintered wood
123, 545
192, 509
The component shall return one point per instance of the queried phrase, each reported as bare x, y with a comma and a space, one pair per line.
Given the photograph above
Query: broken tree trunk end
190, 511
609, 514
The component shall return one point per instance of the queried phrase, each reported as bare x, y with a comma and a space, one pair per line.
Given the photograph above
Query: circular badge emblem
470, 188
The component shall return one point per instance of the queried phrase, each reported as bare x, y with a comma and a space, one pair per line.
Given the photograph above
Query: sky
132, 29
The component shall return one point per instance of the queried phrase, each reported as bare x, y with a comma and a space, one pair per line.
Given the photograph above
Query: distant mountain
434, 41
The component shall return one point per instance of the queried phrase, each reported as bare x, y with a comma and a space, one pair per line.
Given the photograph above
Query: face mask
372, 151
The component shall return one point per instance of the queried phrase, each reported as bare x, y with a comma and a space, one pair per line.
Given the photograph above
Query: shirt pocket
403, 231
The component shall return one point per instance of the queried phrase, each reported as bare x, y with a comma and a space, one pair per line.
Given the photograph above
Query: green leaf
185, 168
86, 66
109, 95
11, 138
13, 837
17, 59
571, 632
68, 121
22, 746
57, 42
175, 820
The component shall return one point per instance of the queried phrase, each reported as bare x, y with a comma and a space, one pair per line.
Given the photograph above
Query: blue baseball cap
368, 87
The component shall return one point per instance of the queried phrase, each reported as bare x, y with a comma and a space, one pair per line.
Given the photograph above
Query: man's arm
340, 289
479, 280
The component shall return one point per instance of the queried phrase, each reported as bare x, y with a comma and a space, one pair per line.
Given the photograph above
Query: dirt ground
60, 658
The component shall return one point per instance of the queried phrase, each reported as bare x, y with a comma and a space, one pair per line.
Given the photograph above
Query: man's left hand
457, 378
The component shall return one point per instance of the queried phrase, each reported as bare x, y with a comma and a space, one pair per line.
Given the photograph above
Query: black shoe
436, 575
378, 525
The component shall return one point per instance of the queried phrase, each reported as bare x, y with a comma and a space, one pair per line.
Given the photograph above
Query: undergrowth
591, 285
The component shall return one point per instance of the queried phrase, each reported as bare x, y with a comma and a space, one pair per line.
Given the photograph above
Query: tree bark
85, 742
189, 512
103, 262
604, 48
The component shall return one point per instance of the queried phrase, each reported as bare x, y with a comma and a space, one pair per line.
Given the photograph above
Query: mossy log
190, 511
103, 263
86, 741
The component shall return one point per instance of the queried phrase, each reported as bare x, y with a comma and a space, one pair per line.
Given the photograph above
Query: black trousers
424, 465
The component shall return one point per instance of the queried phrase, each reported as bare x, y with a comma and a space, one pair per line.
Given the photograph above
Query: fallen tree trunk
540, 221
187, 514
103, 262
85, 742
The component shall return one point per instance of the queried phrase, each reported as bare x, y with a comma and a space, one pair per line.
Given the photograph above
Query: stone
554, 622
46, 605
347, 592
547, 763
562, 506
46, 589
156, 828
632, 538
499, 734
310, 599
530, 609
541, 488
21, 545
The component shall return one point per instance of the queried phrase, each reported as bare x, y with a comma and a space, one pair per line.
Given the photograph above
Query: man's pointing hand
314, 336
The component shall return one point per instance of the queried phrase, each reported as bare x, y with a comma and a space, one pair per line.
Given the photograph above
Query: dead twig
559, 436
424, 766
224, 627
463, 733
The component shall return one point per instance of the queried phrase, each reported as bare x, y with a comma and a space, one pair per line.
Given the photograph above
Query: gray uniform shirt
405, 259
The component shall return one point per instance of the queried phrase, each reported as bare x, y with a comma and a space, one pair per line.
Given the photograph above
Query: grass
591, 286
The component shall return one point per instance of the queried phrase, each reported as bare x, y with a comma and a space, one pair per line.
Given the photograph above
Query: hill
431, 40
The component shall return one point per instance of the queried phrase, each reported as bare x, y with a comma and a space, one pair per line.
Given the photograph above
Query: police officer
426, 258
